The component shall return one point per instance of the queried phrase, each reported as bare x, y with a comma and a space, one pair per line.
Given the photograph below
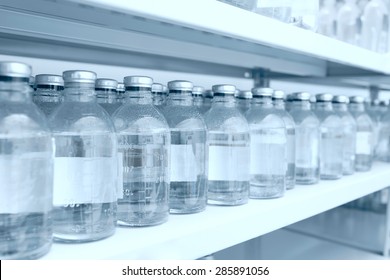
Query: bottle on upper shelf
346, 22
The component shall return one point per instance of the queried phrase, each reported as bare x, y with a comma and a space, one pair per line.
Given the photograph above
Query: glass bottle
364, 134
120, 93
349, 133
268, 147
331, 142
207, 101
243, 100
346, 22
144, 144
85, 163
228, 136
197, 97
307, 139
279, 105
372, 19
106, 94
26, 168
383, 147
188, 191
159, 93
48, 93
326, 18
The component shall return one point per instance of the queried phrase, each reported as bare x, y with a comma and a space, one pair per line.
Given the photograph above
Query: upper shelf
216, 228
204, 36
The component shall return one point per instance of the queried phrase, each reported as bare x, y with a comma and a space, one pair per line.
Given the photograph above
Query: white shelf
204, 36
217, 228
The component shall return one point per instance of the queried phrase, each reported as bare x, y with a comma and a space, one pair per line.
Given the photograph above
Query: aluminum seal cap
156, 87
324, 97
244, 94
301, 96
262, 92
180, 85
15, 69
224, 89
138, 81
197, 91
356, 99
79, 76
340, 99
278, 94
106, 84
48, 79
120, 87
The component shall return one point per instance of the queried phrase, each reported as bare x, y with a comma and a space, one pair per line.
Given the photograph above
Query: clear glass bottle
383, 147
48, 93
243, 100
144, 143
372, 19
268, 147
364, 134
188, 189
26, 168
346, 22
228, 136
326, 18
197, 97
307, 140
85, 169
349, 133
279, 105
331, 142
207, 101
120, 93
106, 95
159, 93
277, 9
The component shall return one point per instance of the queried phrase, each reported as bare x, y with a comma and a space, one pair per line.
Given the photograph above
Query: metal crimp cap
198, 91
300, 96
48, 79
356, 99
15, 69
244, 94
79, 76
180, 85
106, 83
262, 91
324, 97
225, 89
278, 94
120, 87
138, 81
340, 99
156, 87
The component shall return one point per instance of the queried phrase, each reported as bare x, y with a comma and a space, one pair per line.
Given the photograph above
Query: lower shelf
217, 228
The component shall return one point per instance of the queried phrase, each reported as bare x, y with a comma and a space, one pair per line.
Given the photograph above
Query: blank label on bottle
119, 190
183, 164
228, 163
363, 142
84, 180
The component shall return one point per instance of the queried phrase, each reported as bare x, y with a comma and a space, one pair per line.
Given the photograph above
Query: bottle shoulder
231, 119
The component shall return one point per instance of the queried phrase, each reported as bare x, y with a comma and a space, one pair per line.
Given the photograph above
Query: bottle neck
279, 104
77, 92
263, 102
139, 95
180, 98
358, 107
303, 105
223, 101
15, 91
340, 107
106, 95
324, 106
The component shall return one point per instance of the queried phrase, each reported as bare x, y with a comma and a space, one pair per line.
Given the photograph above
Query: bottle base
188, 210
330, 177
80, 238
227, 202
307, 182
138, 223
28, 255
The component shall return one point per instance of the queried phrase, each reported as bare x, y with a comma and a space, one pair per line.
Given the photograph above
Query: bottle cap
138, 81
278, 94
79, 76
48, 79
106, 84
180, 85
356, 99
15, 69
340, 99
223, 89
244, 94
300, 96
262, 92
197, 91
324, 97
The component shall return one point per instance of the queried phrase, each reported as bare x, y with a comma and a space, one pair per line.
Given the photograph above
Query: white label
84, 180
268, 157
183, 164
25, 183
228, 163
119, 191
363, 143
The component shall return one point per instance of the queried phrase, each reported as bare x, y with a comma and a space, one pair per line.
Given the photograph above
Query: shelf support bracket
261, 77
374, 92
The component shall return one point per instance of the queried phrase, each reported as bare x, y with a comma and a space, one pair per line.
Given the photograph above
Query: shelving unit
197, 235
199, 37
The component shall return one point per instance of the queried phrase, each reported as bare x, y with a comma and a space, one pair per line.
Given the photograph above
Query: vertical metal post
261, 77
386, 246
